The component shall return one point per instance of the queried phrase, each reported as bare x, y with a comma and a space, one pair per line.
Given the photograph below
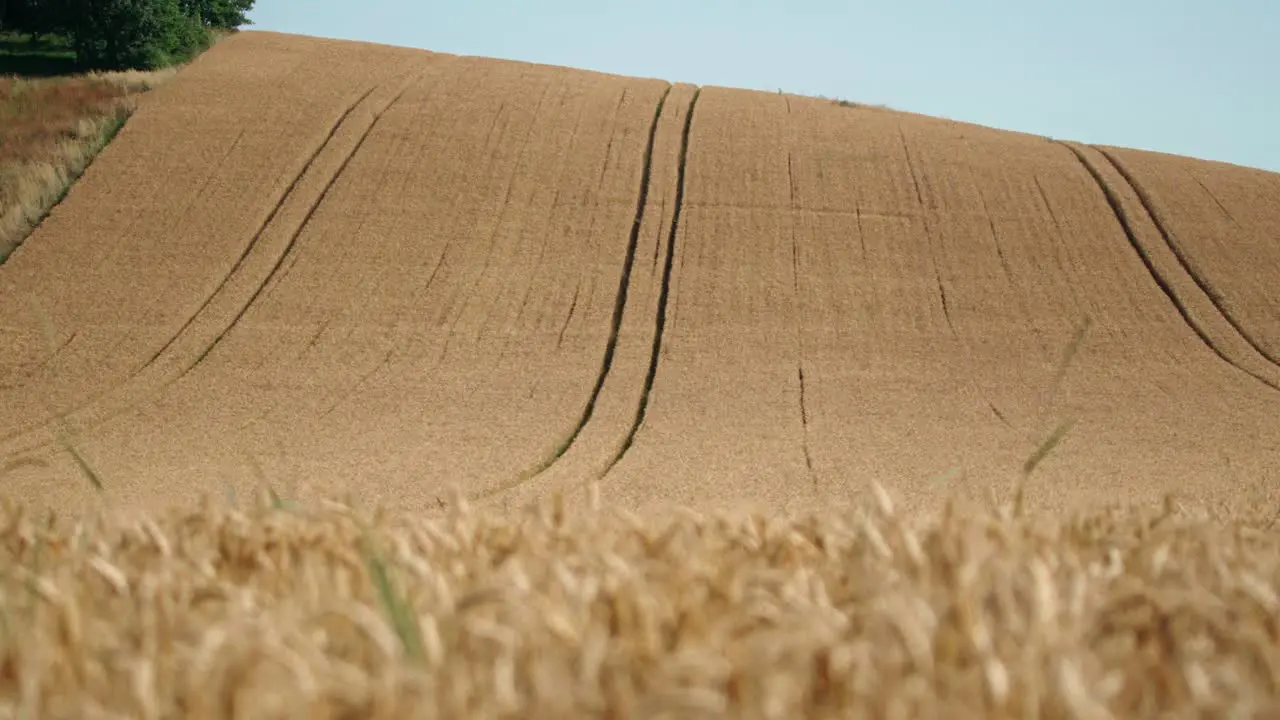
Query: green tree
121, 34
219, 14
125, 34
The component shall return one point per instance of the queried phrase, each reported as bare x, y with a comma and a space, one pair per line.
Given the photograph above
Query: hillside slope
346, 267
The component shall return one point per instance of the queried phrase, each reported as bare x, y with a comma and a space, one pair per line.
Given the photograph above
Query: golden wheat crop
331, 611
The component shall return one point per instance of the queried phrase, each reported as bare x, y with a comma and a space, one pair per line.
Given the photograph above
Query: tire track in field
88, 403
797, 294
50, 358
258, 288
1201, 282
929, 233
306, 220
1222, 208
257, 236
327, 322
665, 292
404, 346
1144, 254
547, 233
571, 457
464, 297
620, 297
604, 168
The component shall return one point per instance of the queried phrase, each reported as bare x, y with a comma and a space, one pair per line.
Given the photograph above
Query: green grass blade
397, 609
85, 468
1047, 446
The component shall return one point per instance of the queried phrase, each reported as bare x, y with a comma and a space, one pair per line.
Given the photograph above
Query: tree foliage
123, 34
219, 14
119, 34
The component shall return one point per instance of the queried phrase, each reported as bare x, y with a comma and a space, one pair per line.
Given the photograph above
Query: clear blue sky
1194, 78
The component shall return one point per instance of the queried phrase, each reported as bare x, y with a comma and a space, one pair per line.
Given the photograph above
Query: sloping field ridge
339, 267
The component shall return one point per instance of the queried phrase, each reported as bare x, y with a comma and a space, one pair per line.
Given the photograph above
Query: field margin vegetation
52, 127
71, 73
50, 131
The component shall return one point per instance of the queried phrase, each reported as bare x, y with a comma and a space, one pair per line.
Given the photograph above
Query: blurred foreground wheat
334, 612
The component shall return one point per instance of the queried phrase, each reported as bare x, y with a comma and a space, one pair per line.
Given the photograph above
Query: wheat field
276, 610
359, 381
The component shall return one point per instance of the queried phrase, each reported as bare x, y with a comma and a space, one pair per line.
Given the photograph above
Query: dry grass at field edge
50, 131
278, 610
